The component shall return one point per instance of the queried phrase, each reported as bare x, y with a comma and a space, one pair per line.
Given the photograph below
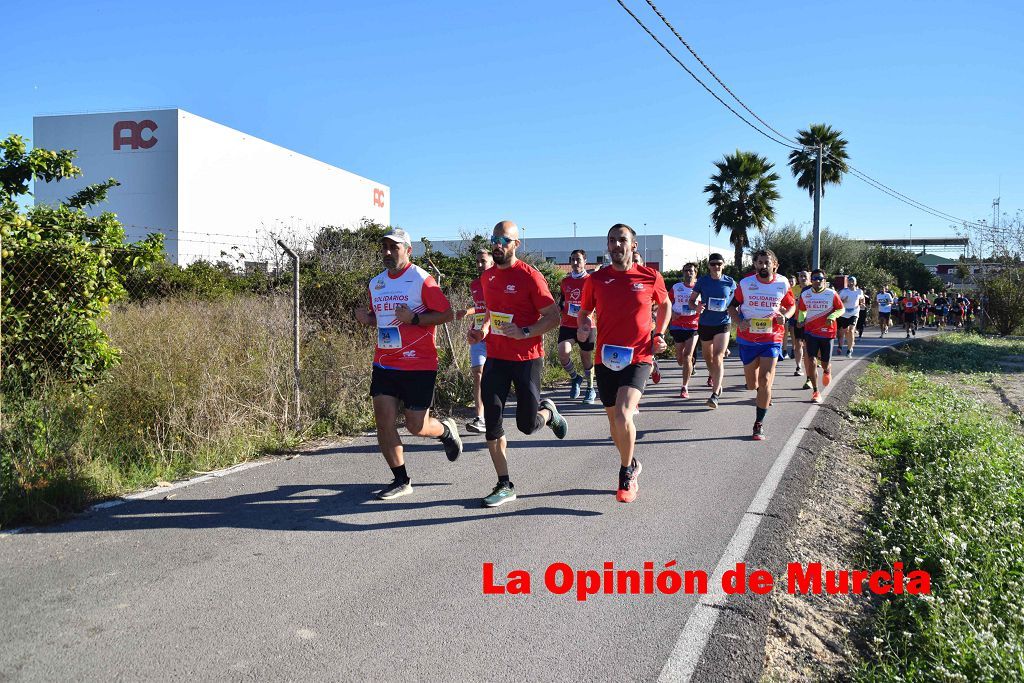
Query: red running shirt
821, 304
517, 293
404, 346
623, 301
572, 295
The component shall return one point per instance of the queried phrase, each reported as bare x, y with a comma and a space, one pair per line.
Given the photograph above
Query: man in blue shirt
715, 290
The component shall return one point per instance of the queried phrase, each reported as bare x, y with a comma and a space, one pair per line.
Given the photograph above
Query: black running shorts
845, 322
569, 334
707, 333
818, 347
498, 378
681, 336
414, 388
609, 381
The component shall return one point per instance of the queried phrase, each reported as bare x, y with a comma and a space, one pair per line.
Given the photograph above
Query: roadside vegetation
951, 502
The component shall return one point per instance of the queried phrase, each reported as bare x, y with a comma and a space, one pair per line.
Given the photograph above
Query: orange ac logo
130, 133
378, 197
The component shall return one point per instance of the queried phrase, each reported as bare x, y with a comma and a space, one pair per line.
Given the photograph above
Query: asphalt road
292, 570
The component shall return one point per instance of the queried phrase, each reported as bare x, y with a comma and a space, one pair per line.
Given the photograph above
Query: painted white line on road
682, 662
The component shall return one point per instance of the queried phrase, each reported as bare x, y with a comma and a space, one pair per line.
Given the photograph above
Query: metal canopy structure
946, 244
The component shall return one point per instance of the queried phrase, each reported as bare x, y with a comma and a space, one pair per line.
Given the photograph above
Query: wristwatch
657, 334
416, 319
526, 331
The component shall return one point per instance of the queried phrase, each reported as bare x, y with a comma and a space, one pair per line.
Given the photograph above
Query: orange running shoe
826, 377
628, 486
816, 397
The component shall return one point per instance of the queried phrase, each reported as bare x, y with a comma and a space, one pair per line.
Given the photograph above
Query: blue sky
554, 112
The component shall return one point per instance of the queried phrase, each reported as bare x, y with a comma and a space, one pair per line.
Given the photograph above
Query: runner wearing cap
571, 295
796, 332
818, 308
852, 297
520, 309
406, 306
623, 296
683, 326
477, 351
715, 291
760, 307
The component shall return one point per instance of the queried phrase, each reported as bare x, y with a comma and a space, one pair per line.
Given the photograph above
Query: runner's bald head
507, 229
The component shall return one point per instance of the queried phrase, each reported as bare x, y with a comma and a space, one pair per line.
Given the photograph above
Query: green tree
61, 270
833, 165
742, 196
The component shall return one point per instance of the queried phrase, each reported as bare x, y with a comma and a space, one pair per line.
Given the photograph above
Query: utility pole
574, 229
816, 236
911, 242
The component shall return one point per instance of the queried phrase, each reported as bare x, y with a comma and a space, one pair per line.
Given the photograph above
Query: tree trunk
738, 257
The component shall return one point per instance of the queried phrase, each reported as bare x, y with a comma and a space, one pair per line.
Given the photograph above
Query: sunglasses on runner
817, 278
502, 240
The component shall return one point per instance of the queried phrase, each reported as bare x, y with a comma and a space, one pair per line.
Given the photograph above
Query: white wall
232, 185
146, 200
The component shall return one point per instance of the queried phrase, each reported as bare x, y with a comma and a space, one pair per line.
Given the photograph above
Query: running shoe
453, 444
816, 397
713, 401
476, 425
628, 483
758, 434
797, 373
826, 377
503, 493
574, 387
590, 398
849, 352
684, 393
807, 383
395, 489
728, 352
656, 374
557, 423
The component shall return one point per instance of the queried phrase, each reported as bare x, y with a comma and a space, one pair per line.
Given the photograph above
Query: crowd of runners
618, 317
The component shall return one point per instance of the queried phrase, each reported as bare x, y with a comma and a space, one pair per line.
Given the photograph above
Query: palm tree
742, 194
833, 164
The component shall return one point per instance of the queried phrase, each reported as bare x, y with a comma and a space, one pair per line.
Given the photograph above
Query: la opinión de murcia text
812, 578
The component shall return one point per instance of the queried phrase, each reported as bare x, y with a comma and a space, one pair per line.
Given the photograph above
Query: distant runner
715, 291
817, 311
853, 298
627, 340
683, 326
760, 307
571, 296
910, 303
795, 332
885, 302
477, 351
406, 306
520, 309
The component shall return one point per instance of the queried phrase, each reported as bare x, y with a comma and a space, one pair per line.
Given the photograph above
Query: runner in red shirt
760, 308
818, 309
910, 303
571, 295
478, 351
627, 340
683, 326
406, 306
520, 309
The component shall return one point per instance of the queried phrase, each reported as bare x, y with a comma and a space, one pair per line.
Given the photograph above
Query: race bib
681, 309
478, 320
574, 310
717, 305
498, 319
389, 338
761, 325
616, 357
849, 311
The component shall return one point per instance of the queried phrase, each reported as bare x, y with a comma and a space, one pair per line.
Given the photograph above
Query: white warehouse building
207, 187
664, 252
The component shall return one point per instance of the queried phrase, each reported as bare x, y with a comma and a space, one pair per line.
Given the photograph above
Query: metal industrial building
207, 187
664, 252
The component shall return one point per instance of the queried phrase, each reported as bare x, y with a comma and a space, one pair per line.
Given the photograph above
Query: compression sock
761, 412
503, 479
400, 473
571, 369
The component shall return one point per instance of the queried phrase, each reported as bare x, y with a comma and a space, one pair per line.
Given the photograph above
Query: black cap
716, 257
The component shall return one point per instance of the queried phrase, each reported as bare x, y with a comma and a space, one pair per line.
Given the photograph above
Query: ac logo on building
378, 197
131, 133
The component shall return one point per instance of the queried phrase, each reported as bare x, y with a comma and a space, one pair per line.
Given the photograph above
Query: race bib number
717, 305
478, 320
497, 320
574, 310
682, 309
761, 325
389, 338
616, 357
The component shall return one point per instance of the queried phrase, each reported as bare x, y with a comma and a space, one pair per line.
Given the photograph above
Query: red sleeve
660, 293
837, 303
800, 305
788, 300
541, 296
587, 301
433, 298
738, 293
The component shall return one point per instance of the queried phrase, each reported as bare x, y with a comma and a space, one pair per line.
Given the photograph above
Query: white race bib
761, 325
717, 305
389, 338
616, 357
497, 320
574, 310
682, 309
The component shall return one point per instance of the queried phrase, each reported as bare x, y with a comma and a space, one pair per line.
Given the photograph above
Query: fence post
295, 333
